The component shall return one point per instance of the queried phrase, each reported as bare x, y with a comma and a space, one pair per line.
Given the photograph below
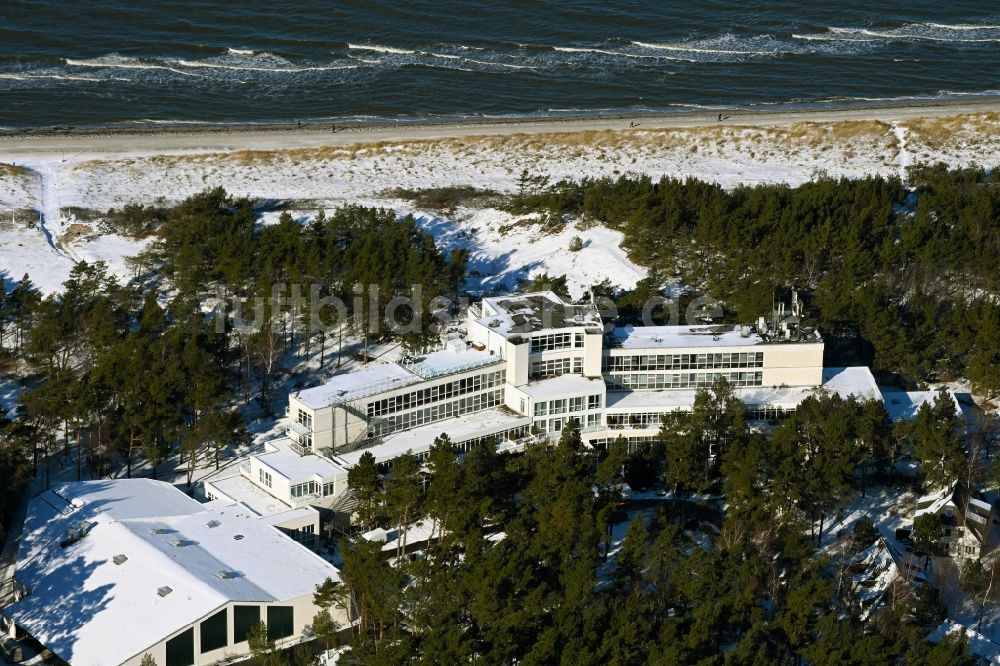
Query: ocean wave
242, 52
291, 69
118, 62
919, 32
64, 77
379, 49
724, 45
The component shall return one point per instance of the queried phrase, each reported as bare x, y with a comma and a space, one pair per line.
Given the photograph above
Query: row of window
553, 341
570, 405
303, 489
472, 403
680, 380
305, 418
543, 426
435, 393
555, 367
639, 421
214, 631
644, 362
264, 477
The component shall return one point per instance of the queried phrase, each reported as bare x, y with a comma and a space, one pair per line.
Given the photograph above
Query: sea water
112, 62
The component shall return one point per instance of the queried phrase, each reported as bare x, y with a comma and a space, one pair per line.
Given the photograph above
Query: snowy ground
330, 176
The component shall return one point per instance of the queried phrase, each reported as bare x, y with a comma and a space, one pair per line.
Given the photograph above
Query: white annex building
527, 365
109, 571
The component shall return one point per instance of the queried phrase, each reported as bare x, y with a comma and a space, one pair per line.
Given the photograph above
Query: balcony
298, 428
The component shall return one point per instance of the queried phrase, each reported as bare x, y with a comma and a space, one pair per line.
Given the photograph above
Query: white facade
531, 363
108, 571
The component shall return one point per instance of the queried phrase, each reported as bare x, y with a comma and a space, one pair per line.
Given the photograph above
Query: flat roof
519, 314
447, 361
357, 384
240, 489
91, 611
904, 405
666, 337
459, 429
845, 382
696, 336
280, 457
567, 385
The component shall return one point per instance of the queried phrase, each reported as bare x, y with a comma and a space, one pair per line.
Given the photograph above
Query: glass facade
431, 394
648, 362
214, 632
679, 380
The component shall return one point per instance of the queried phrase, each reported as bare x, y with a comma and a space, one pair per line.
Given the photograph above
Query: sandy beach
154, 138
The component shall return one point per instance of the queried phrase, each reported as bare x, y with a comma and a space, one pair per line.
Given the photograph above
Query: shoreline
208, 137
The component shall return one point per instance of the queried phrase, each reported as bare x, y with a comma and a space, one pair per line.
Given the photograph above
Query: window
540, 425
279, 622
551, 368
576, 404
578, 365
304, 489
595, 401
557, 406
265, 477
556, 341
180, 649
437, 393
328, 489
541, 408
305, 418
244, 617
214, 634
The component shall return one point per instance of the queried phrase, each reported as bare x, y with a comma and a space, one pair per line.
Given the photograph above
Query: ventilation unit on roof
495, 323
213, 523
227, 575
164, 591
181, 543
120, 558
238, 537
162, 530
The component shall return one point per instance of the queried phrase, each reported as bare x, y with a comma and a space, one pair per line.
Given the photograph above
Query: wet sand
154, 139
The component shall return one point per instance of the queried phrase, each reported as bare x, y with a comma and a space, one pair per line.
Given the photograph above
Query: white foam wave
690, 48
498, 64
243, 52
63, 77
574, 49
123, 63
922, 32
379, 49
445, 56
256, 68
963, 26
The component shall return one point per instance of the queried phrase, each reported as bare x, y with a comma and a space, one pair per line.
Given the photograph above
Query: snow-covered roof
418, 532
357, 384
93, 607
280, 457
238, 488
979, 645
856, 381
904, 405
459, 429
450, 360
535, 312
969, 508
846, 382
562, 386
666, 337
